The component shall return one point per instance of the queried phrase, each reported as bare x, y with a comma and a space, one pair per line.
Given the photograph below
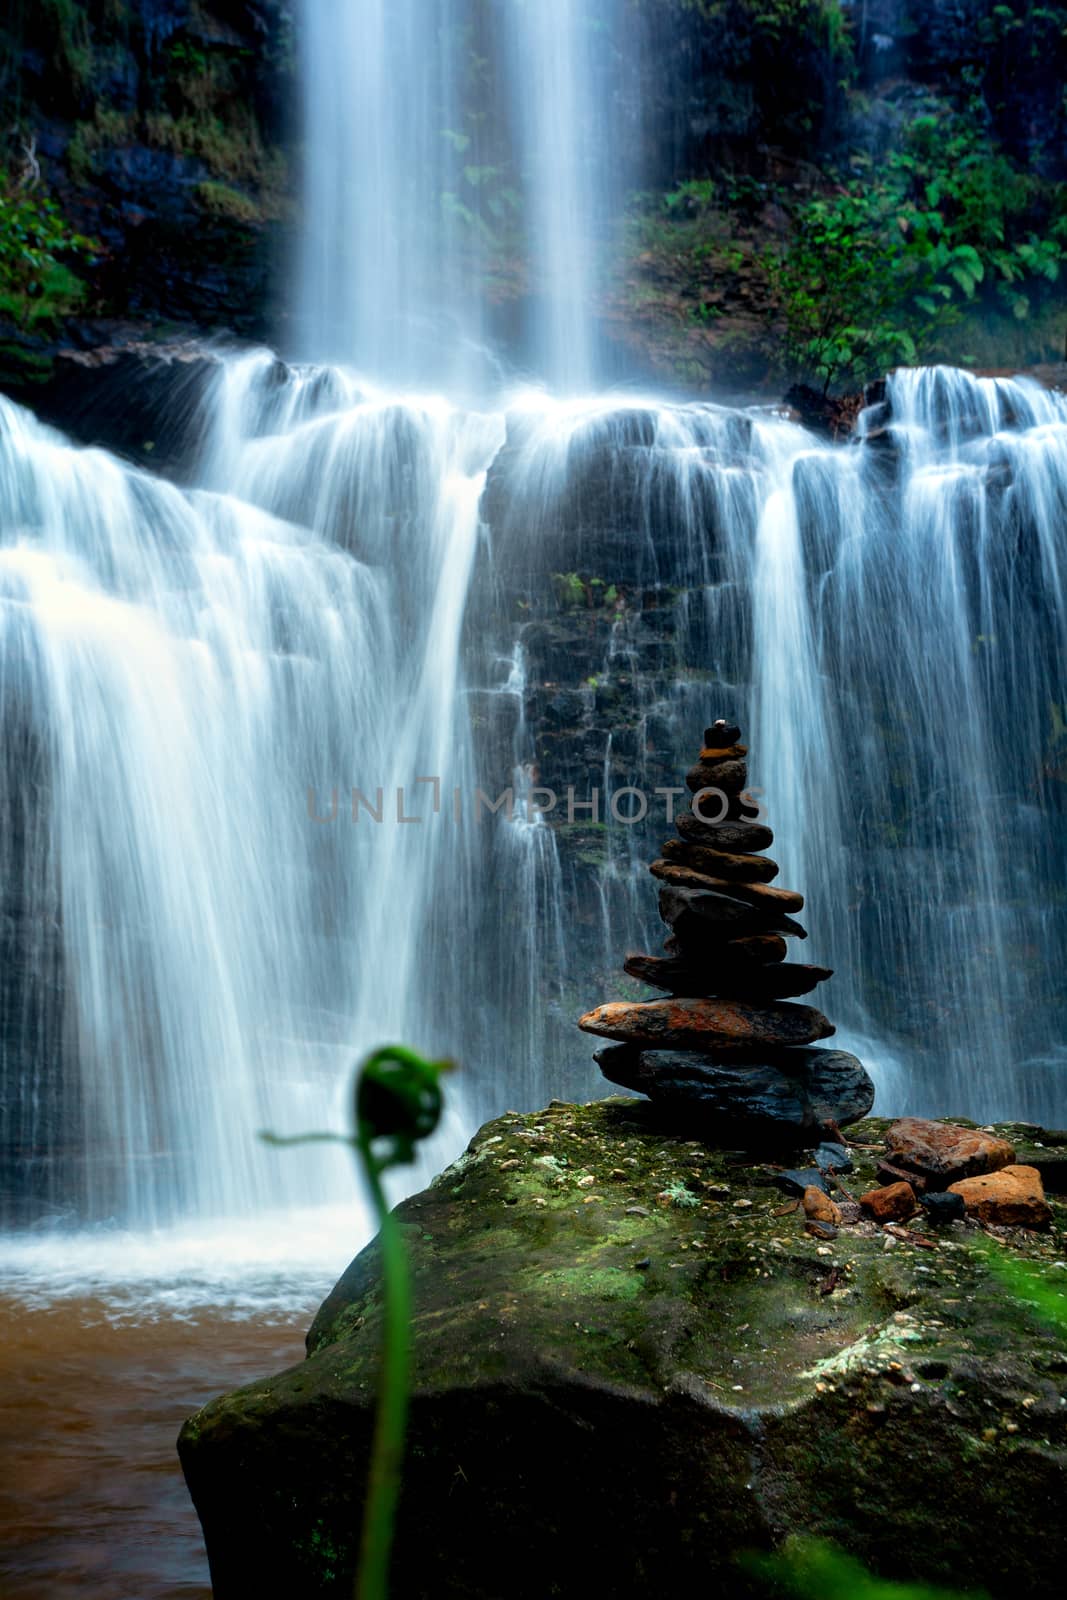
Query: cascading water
392, 261
463, 157
211, 697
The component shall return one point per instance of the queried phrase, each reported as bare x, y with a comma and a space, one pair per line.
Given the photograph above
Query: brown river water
96, 1378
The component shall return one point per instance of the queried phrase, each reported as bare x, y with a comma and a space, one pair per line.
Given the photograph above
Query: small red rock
819, 1207
1012, 1197
893, 1203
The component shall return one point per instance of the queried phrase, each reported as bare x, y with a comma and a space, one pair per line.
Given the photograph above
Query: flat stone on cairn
723, 1054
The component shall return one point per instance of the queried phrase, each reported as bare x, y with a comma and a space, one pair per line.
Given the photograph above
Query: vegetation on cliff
161, 130
901, 202
828, 188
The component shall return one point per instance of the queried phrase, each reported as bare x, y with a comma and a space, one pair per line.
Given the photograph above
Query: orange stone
699, 1024
896, 1202
941, 1153
1013, 1197
731, 752
819, 1207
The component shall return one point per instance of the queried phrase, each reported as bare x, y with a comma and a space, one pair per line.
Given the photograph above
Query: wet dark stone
796, 1179
835, 1156
721, 735
941, 1205
696, 915
741, 979
780, 1097
728, 775
729, 836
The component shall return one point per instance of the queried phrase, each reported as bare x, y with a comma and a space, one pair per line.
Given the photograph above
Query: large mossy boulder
633, 1364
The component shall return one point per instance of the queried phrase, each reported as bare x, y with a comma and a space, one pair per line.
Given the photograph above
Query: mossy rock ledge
631, 1366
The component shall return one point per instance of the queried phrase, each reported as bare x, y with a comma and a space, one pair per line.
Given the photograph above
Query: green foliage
66, 22
573, 591
233, 205
811, 1569
397, 1102
37, 249
876, 273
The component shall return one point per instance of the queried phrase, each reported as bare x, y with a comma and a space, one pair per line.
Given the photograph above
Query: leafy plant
812, 1569
877, 272
397, 1103
37, 249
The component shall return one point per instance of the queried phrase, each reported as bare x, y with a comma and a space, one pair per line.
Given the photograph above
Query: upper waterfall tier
460, 160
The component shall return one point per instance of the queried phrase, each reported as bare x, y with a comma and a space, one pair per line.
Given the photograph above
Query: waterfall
220, 703
463, 157
277, 750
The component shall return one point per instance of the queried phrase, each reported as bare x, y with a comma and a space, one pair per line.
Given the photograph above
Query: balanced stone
723, 836
727, 836
701, 1024
693, 912
785, 1097
742, 978
720, 863
717, 806
722, 733
730, 776
757, 894
726, 1046
756, 949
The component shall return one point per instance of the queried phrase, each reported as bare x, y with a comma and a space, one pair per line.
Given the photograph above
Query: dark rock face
617, 1398
780, 1098
140, 401
165, 132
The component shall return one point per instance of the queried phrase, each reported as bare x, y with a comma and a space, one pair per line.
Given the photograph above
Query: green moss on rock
631, 1364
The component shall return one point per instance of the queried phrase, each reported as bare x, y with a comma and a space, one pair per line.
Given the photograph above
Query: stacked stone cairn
726, 1056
